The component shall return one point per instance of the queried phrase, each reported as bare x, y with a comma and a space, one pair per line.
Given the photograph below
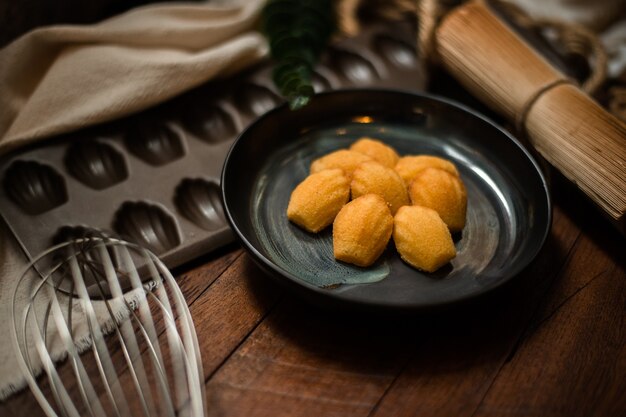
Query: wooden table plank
194, 281
574, 348
304, 361
450, 373
225, 314
230, 310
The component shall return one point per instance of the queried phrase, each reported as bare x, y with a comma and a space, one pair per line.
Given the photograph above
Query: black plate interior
508, 216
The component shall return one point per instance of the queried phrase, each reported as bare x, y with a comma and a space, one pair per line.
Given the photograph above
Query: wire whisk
103, 351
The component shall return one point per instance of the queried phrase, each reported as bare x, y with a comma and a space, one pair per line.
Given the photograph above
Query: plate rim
309, 289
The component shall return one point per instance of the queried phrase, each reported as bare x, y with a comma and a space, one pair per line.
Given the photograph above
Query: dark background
19, 16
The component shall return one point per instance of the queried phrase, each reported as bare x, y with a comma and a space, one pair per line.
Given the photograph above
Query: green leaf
297, 31
297, 102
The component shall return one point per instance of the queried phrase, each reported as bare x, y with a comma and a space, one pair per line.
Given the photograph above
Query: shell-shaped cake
362, 230
199, 201
342, 159
374, 178
410, 166
315, 202
443, 192
155, 143
96, 164
34, 187
148, 225
422, 238
377, 150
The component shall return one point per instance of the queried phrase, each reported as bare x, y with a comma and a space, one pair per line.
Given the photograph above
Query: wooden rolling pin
568, 128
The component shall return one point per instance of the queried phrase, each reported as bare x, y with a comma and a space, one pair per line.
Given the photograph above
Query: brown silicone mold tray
153, 178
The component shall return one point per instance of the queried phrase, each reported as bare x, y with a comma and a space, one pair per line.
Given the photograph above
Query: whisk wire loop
129, 353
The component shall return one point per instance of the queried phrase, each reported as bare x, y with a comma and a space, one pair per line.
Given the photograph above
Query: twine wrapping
573, 38
617, 102
561, 121
520, 119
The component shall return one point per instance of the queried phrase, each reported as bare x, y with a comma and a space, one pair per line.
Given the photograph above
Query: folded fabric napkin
62, 78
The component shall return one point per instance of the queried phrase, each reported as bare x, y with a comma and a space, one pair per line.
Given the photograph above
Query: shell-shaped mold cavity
199, 201
35, 187
147, 225
353, 67
255, 99
156, 143
211, 124
89, 257
96, 164
68, 233
72, 233
320, 83
397, 53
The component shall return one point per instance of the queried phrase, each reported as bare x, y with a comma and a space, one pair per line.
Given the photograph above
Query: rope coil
573, 39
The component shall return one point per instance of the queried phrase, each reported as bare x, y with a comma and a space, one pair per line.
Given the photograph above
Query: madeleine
374, 178
443, 192
377, 150
409, 166
343, 159
422, 238
362, 230
315, 202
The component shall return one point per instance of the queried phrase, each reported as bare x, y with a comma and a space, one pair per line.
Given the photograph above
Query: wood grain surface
549, 344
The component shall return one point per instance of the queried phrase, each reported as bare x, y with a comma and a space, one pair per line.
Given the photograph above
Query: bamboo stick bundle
568, 128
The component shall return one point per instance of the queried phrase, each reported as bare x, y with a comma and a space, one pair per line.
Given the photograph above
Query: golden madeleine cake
362, 230
443, 192
374, 178
315, 202
409, 166
378, 151
343, 159
422, 238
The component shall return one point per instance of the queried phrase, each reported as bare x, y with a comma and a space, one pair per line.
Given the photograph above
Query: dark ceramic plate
508, 215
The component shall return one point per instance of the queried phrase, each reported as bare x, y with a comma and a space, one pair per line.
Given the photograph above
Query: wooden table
549, 344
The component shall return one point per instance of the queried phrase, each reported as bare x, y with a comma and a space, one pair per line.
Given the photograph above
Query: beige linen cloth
61, 78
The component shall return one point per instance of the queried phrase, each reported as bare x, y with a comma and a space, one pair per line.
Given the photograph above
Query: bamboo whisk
569, 129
